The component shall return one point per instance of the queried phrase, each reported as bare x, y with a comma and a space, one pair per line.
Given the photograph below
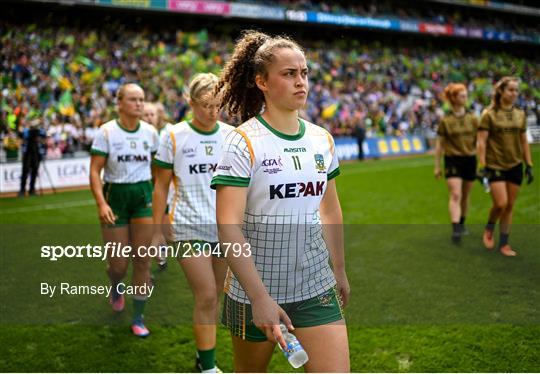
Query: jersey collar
126, 130
297, 136
198, 131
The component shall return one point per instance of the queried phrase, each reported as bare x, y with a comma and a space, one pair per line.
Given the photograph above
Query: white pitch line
34, 208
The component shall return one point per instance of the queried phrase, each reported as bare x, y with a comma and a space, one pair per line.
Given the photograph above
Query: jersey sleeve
333, 170
485, 121
524, 125
234, 168
100, 145
165, 152
441, 130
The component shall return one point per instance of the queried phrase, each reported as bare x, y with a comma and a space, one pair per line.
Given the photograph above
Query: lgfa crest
319, 163
145, 145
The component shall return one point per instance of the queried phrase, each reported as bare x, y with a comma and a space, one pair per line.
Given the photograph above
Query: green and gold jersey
459, 134
505, 127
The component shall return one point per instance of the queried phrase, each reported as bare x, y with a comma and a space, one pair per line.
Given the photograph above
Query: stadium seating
69, 75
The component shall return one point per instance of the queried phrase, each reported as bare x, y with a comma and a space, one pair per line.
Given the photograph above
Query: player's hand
529, 174
106, 215
437, 172
267, 315
158, 239
481, 174
343, 288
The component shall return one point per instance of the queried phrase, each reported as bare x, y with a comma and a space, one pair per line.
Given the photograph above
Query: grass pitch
418, 302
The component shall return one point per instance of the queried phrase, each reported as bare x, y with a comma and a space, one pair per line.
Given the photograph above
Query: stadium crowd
463, 17
67, 77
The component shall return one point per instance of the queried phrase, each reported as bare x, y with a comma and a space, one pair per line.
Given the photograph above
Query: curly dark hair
253, 52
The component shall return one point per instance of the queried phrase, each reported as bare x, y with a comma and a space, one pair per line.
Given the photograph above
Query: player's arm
162, 181
439, 144
526, 149
527, 157
97, 163
162, 172
332, 220
153, 168
481, 141
266, 312
482, 136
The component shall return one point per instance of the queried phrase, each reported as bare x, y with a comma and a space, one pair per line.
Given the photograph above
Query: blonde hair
121, 92
150, 104
200, 84
163, 116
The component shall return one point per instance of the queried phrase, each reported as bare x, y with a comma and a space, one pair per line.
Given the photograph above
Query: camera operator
33, 151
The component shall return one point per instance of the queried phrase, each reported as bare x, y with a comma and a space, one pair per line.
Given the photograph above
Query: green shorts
317, 311
129, 200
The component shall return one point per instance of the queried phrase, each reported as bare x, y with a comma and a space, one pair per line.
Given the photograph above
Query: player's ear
260, 81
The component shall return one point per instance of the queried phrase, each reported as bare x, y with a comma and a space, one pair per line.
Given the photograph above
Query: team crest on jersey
133, 144
272, 165
145, 145
319, 163
325, 300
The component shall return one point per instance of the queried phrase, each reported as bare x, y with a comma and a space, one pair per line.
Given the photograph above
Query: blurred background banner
55, 173
347, 147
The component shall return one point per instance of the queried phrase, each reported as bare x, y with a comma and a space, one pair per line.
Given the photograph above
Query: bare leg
327, 347
251, 357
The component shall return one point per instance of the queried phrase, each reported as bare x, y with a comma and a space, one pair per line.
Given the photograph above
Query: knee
207, 300
455, 196
500, 206
141, 264
117, 271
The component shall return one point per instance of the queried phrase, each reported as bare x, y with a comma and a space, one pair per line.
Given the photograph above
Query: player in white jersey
123, 148
155, 117
275, 190
188, 155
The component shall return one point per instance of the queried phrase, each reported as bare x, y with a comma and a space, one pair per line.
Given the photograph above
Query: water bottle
485, 183
294, 353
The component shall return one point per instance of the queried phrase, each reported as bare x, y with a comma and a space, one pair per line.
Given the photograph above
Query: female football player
502, 150
275, 191
123, 149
